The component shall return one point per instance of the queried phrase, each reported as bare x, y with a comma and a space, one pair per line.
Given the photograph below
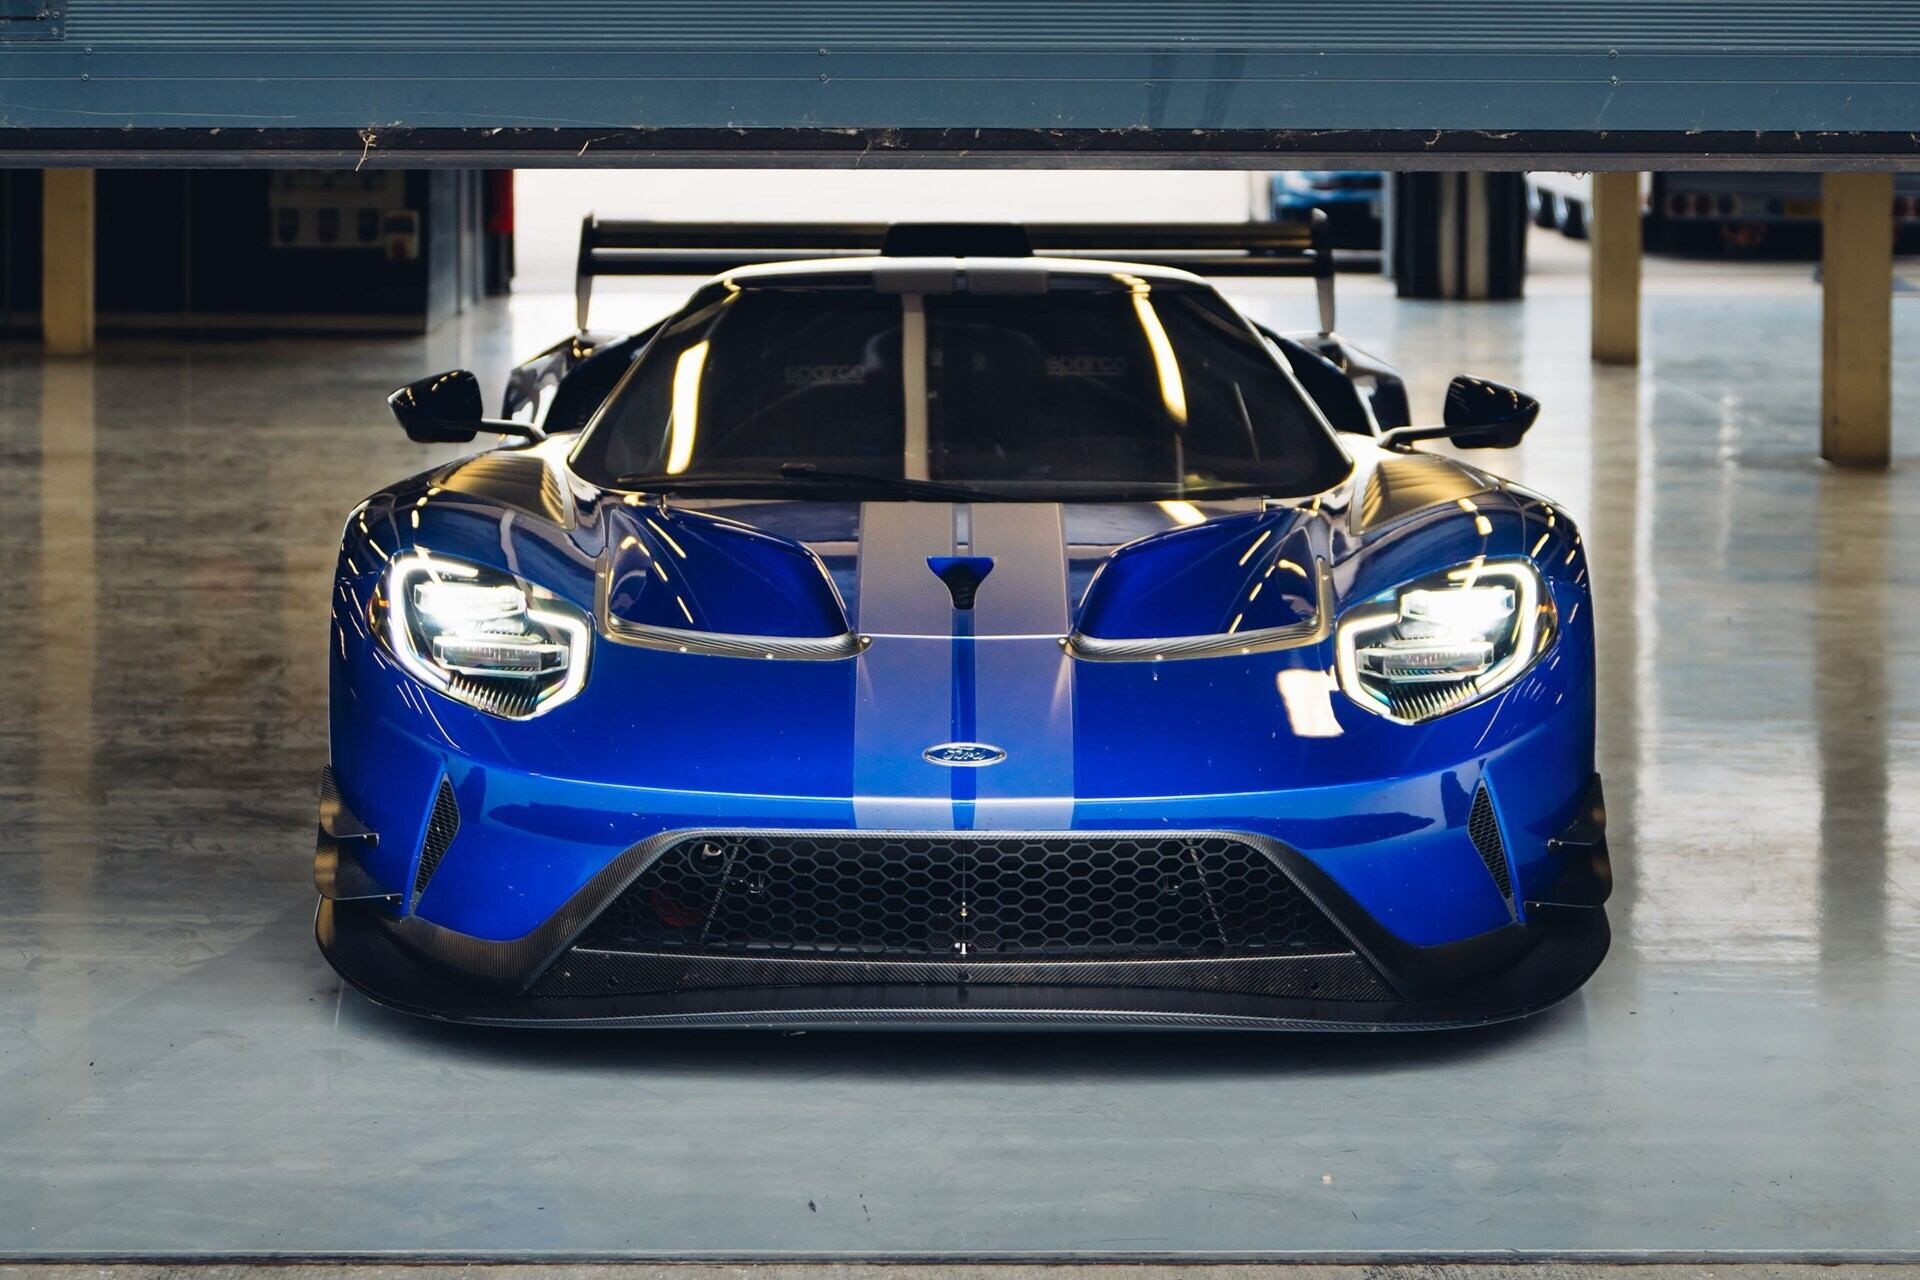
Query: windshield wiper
933, 489
808, 474
1202, 492
792, 474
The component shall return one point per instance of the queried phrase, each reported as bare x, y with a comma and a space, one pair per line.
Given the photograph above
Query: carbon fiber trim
583, 972
1586, 871
513, 964
336, 819
1570, 945
936, 1018
337, 871
1296, 635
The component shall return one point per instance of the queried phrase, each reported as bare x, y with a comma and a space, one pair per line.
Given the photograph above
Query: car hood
880, 569
928, 671
850, 722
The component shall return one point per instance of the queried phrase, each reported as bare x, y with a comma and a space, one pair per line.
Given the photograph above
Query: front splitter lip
1571, 944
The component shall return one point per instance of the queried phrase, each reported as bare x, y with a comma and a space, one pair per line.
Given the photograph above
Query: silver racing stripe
1023, 680
1021, 685
1026, 594
898, 594
904, 682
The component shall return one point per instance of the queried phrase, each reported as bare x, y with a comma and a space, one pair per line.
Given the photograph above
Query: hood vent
963, 576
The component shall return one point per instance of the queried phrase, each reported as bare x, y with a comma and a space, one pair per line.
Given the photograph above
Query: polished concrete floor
181, 1074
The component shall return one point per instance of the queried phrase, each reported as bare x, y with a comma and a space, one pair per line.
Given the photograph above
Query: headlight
483, 636
1445, 642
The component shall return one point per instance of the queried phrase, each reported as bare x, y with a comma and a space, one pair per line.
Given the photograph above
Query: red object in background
500, 201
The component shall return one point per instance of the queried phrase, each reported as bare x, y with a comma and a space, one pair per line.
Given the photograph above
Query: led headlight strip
482, 636
1444, 642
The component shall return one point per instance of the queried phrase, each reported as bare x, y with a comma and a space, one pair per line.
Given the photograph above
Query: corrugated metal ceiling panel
1227, 82
1703, 27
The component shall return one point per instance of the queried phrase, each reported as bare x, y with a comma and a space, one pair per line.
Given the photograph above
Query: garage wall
549, 203
234, 249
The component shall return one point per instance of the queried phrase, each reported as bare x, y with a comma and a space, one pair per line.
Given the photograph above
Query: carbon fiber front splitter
1570, 943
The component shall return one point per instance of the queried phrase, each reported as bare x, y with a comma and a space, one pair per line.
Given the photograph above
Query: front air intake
1484, 828
442, 825
984, 898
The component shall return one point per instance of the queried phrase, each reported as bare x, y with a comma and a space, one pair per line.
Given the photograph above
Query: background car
1351, 199
1711, 209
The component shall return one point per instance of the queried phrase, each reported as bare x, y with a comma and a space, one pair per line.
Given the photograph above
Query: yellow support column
1856, 319
66, 261
1613, 230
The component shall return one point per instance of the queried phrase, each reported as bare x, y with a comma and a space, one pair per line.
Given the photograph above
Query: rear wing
610, 247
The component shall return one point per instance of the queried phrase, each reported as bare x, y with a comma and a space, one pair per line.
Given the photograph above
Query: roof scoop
963, 576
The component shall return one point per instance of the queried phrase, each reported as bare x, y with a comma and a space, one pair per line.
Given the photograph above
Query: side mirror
446, 409
1479, 415
1487, 415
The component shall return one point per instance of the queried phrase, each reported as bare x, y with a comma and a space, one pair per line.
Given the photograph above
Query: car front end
806, 751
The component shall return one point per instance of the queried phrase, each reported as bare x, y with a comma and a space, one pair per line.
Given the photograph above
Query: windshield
1106, 390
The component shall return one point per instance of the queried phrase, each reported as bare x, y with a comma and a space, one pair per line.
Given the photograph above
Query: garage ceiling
1497, 83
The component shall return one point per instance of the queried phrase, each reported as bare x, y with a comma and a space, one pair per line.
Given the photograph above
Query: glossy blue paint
687, 569
1198, 580
962, 783
660, 741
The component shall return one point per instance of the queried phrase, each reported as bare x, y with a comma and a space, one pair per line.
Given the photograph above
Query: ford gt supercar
946, 638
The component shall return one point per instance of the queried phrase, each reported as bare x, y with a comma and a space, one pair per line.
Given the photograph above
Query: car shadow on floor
1098, 1055
273, 981
958, 1054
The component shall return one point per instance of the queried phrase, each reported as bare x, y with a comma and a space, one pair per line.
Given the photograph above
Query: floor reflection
1852, 601
178, 1067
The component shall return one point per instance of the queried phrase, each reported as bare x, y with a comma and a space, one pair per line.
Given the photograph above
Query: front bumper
1334, 968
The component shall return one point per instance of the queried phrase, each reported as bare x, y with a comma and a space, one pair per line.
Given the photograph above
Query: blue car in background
961, 641
1351, 199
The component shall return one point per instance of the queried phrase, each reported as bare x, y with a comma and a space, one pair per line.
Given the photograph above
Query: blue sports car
930, 639
1351, 199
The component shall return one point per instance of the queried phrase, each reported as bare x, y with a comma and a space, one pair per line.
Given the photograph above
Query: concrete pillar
1856, 318
1458, 235
1613, 231
66, 261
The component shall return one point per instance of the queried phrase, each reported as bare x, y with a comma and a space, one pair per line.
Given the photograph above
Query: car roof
900, 271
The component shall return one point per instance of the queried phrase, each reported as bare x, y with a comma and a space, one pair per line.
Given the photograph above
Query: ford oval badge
964, 755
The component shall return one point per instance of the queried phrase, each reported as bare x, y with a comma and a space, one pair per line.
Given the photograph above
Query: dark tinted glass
1065, 394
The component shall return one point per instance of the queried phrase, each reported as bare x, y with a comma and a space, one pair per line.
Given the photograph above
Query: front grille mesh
1484, 829
442, 825
940, 897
